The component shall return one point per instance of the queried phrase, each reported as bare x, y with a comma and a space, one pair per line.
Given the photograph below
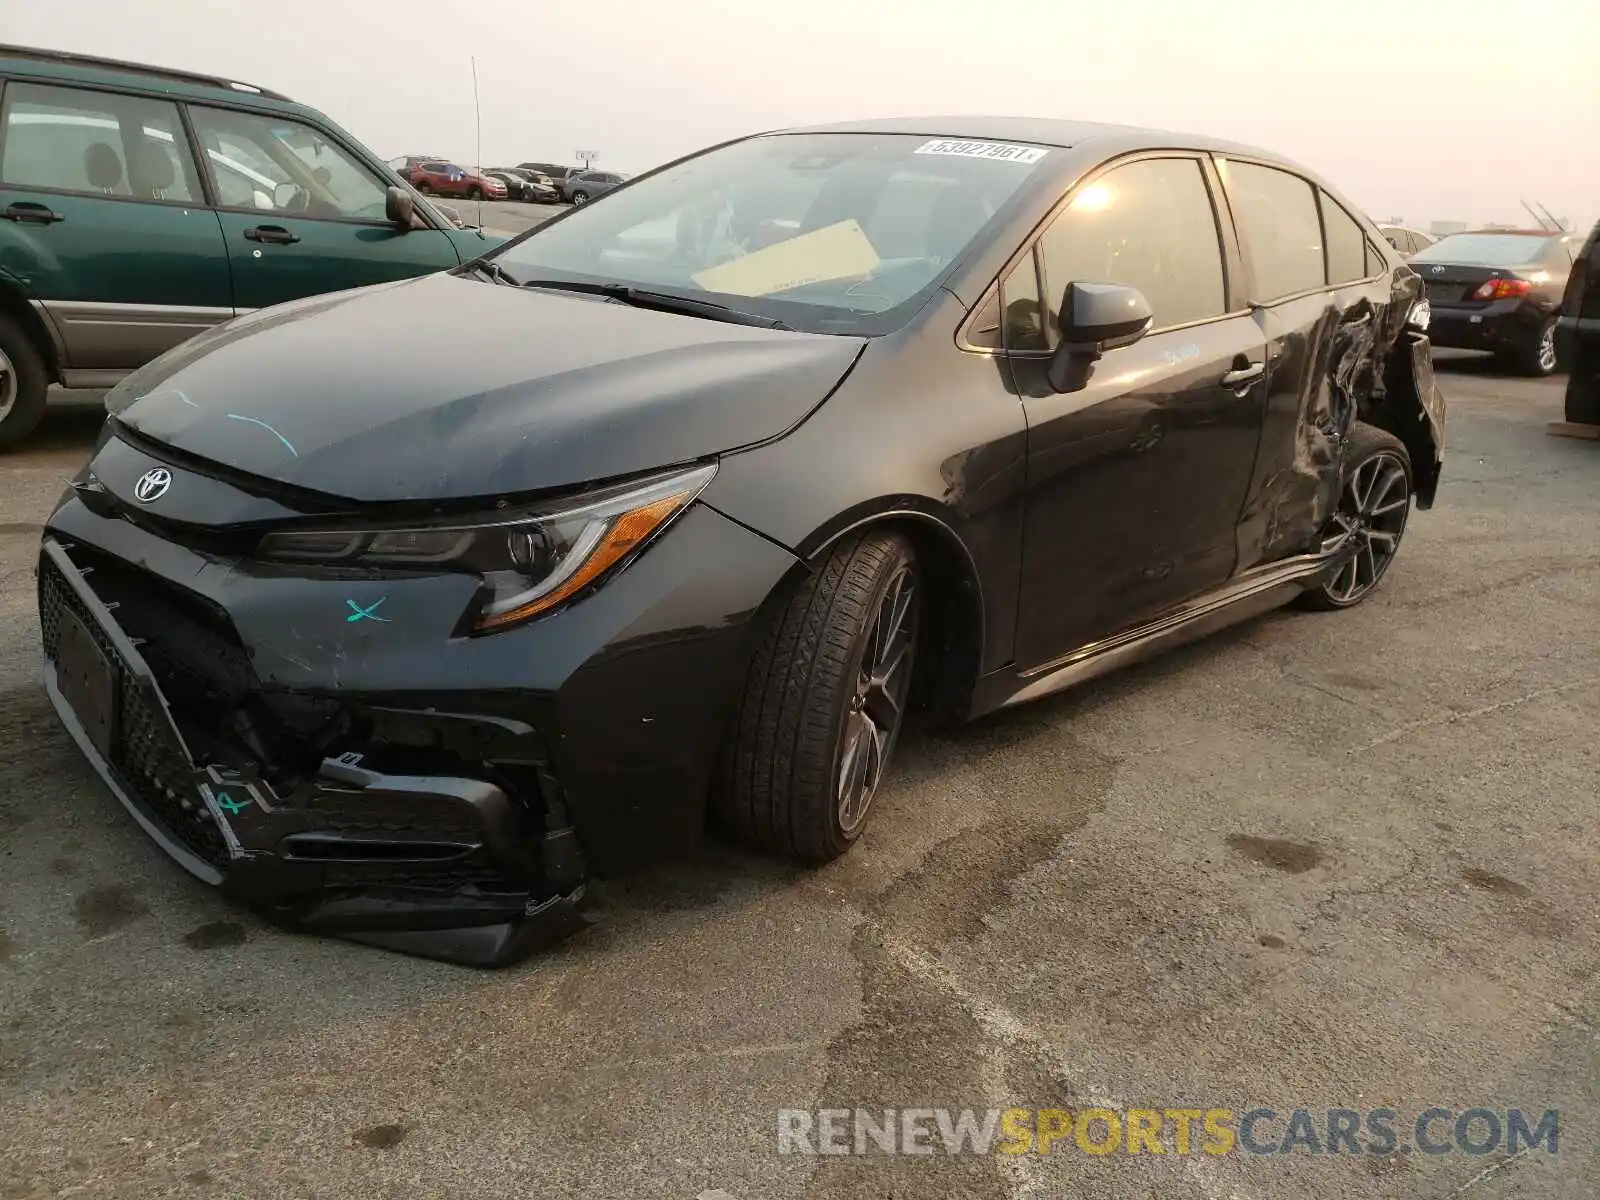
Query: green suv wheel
22, 383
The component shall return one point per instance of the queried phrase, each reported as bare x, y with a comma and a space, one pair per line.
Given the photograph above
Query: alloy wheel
1545, 352
1372, 511
8, 386
883, 680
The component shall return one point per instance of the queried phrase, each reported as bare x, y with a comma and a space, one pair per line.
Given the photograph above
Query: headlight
529, 563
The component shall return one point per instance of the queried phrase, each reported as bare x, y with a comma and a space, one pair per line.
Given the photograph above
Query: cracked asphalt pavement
1348, 859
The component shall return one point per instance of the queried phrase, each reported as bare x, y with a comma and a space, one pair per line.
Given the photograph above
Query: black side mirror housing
400, 208
1096, 317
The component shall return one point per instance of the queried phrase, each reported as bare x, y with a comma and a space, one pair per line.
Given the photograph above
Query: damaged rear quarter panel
1335, 357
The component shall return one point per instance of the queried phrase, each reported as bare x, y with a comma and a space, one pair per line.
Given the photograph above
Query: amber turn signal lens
626, 533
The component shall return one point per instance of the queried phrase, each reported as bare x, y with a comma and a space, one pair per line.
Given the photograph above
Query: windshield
1486, 249
829, 233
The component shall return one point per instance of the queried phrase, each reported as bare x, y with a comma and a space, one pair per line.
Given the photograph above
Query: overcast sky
1426, 109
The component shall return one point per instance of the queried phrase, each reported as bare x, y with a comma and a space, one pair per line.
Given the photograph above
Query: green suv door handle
275, 234
31, 214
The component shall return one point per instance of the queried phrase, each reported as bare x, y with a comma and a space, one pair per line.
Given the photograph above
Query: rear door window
98, 143
1148, 225
1279, 229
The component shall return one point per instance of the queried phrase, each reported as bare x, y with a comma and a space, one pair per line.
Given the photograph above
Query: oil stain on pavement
104, 909
1296, 858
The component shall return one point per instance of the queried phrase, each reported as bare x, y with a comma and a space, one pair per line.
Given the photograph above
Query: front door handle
31, 214
1245, 374
277, 235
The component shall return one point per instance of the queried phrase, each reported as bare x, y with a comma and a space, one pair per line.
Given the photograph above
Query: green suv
142, 206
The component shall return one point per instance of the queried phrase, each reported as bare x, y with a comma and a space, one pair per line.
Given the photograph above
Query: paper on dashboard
838, 251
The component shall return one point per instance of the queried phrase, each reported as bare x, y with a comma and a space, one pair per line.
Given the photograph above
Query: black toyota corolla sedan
403, 612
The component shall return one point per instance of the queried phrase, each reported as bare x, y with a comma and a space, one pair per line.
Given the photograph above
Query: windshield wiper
625, 293
487, 266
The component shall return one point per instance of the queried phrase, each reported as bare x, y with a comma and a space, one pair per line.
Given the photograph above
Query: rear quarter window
1280, 229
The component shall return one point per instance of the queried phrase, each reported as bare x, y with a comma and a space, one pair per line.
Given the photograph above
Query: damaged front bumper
331, 749
445, 866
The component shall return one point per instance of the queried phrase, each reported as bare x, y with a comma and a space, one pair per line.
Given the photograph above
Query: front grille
147, 759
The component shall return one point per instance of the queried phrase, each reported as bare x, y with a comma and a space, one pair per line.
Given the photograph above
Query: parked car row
441, 177
144, 206
576, 185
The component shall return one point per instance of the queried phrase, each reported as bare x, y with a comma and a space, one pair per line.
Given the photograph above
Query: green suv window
279, 166
66, 140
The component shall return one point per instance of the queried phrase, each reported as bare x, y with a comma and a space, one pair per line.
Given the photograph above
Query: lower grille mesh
148, 761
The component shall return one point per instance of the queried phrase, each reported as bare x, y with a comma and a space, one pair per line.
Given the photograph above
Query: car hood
450, 387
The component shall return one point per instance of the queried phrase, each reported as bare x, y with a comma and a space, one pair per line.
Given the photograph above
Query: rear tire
425, 189
474, 193
23, 380
824, 703
1374, 502
1538, 358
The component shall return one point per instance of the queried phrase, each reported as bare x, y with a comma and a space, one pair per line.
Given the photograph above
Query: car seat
102, 167
153, 170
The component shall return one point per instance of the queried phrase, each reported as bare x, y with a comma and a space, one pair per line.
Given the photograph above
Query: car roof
1044, 131
65, 66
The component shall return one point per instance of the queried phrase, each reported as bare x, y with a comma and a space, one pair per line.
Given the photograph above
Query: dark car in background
440, 177
583, 186
1498, 290
143, 206
933, 415
528, 187
1578, 333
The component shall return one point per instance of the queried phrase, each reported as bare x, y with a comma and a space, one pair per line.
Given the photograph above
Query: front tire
580, 197
23, 381
1374, 501
824, 703
474, 193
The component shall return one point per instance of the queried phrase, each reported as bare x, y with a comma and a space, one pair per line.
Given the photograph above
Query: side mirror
400, 208
1096, 317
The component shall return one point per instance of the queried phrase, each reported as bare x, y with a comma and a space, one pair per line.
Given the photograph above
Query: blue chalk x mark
358, 613
234, 807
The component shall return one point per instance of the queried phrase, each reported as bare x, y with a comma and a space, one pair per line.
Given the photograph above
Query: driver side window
282, 166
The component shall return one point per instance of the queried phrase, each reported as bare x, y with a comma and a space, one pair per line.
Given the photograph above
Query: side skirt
1250, 595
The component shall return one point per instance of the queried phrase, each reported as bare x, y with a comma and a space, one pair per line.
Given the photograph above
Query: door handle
31, 214
1244, 375
277, 235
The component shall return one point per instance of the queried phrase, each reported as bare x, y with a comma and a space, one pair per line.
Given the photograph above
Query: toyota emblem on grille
152, 485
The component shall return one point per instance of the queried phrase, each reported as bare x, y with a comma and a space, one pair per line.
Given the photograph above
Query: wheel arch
953, 623
14, 304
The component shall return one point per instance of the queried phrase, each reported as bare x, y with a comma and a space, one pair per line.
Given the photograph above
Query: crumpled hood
451, 387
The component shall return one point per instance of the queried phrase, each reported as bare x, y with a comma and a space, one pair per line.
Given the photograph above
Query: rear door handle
1243, 375
31, 214
277, 235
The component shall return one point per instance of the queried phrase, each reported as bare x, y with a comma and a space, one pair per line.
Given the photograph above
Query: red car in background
437, 177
